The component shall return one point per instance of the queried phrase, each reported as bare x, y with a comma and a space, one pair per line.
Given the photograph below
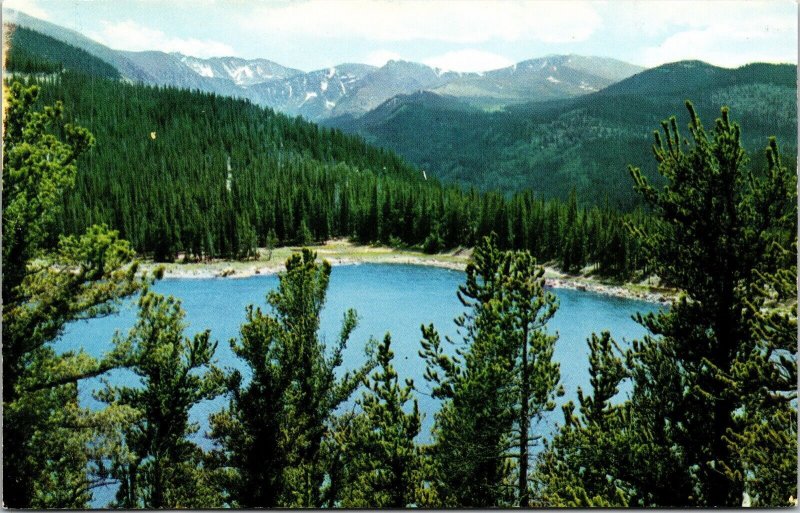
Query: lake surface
388, 298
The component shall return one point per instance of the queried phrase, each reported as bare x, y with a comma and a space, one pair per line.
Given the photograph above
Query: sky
459, 35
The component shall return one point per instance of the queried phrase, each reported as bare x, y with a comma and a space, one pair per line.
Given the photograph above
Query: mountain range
345, 90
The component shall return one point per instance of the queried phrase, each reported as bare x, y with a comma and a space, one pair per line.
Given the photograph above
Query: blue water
388, 298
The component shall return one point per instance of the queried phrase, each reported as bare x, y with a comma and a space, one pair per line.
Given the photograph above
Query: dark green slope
687, 76
431, 131
587, 142
176, 170
761, 96
32, 52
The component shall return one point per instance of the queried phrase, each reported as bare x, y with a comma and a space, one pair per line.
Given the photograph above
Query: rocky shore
553, 277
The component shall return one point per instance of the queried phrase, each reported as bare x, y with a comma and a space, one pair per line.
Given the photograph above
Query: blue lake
388, 298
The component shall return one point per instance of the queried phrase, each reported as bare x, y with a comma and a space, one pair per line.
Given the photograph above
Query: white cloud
469, 60
666, 16
725, 33
455, 22
30, 7
129, 35
381, 57
732, 36
742, 48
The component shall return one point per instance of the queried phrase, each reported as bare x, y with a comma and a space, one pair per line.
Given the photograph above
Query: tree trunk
524, 423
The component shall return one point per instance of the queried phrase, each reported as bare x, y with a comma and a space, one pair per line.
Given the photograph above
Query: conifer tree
272, 242
713, 237
766, 375
574, 468
304, 235
572, 252
382, 458
711, 420
46, 434
529, 308
249, 464
158, 466
688, 434
272, 433
496, 384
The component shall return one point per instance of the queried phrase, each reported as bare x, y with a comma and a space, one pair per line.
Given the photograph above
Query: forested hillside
177, 171
585, 143
582, 142
32, 52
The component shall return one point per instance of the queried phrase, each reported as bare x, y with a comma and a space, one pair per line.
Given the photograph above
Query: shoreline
340, 252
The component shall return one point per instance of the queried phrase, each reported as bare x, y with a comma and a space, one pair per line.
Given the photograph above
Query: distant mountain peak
243, 72
350, 89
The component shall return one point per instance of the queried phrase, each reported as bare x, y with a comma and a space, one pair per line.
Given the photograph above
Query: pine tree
766, 375
249, 464
496, 384
272, 433
158, 466
574, 468
46, 434
382, 459
246, 240
572, 258
688, 416
304, 235
711, 419
713, 236
529, 308
272, 242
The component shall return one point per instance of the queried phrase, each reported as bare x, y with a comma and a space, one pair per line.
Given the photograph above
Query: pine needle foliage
157, 465
272, 433
48, 438
496, 384
712, 417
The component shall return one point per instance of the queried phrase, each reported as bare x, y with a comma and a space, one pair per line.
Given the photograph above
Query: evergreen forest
214, 177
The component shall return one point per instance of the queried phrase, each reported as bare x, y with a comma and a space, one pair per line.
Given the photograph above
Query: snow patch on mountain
309, 95
239, 74
204, 70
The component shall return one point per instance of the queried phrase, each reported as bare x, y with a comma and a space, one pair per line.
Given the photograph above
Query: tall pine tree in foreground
721, 222
496, 385
271, 435
48, 439
765, 376
712, 416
